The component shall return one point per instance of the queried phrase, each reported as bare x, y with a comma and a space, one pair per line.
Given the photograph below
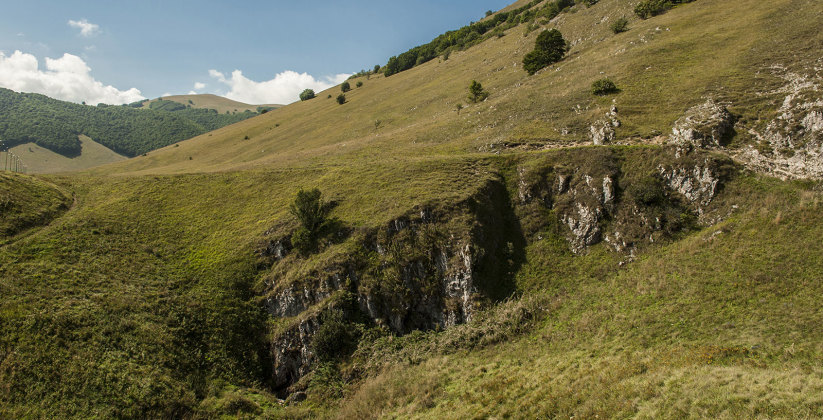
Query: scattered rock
703, 126
602, 131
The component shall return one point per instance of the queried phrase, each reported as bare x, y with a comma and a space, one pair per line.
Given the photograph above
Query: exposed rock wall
418, 271
603, 200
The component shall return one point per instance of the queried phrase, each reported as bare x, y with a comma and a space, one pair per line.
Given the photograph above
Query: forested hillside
55, 125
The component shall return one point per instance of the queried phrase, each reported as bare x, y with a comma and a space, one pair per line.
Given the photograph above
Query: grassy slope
27, 202
139, 298
38, 160
416, 109
208, 101
722, 324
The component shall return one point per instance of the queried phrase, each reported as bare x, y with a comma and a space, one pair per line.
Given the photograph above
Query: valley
652, 252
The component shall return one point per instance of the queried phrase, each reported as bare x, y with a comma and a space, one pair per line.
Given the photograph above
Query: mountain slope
55, 125
663, 65
39, 160
484, 262
209, 101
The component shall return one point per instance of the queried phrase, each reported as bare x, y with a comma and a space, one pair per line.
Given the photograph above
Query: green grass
27, 202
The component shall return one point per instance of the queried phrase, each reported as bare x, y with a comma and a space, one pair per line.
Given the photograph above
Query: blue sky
177, 46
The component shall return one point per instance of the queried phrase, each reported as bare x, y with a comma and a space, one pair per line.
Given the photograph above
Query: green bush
335, 338
306, 95
359, 83
308, 209
476, 92
341, 99
647, 191
549, 48
604, 87
620, 25
649, 8
345, 87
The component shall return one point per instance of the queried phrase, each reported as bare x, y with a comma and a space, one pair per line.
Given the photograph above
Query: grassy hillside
209, 101
662, 65
27, 202
151, 296
39, 160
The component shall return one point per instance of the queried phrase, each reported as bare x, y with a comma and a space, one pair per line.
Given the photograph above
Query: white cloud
66, 78
87, 29
191, 92
198, 85
284, 88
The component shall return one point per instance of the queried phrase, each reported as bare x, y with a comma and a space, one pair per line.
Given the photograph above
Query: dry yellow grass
39, 160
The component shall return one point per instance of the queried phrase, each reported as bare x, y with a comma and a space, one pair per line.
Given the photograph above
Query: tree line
55, 125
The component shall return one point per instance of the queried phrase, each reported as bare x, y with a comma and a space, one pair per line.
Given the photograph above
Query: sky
258, 52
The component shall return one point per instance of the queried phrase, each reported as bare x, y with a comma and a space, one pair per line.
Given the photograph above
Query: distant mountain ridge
208, 101
56, 125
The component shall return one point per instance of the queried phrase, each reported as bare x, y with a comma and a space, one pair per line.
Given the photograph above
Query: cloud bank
284, 88
66, 78
87, 29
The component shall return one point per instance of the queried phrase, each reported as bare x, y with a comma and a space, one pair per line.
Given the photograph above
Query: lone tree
549, 48
309, 210
341, 99
345, 87
476, 92
306, 95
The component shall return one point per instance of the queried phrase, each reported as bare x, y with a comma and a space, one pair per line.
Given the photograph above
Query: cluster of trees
477, 32
55, 125
648, 8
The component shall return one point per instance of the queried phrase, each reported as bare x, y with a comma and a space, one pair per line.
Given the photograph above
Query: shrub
308, 209
476, 92
649, 8
341, 99
620, 25
335, 338
549, 48
604, 87
489, 13
646, 191
376, 68
345, 87
359, 83
306, 95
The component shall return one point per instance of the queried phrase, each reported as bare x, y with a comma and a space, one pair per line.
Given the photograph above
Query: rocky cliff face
603, 200
418, 271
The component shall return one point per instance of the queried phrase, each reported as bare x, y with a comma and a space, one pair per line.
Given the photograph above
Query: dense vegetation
476, 32
55, 125
649, 8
